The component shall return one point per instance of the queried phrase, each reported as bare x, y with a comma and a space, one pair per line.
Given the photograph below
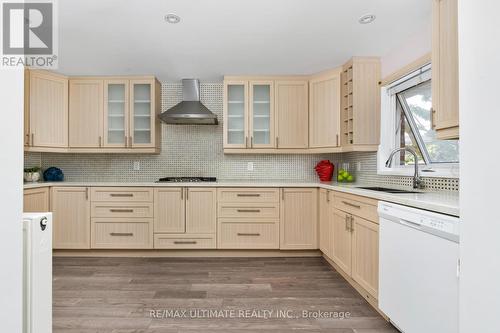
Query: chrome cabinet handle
121, 234
187, 193
185, 242
277, 142
251, 141
248, 195
100, 141
337, 138
32, 139
121, 210
248, 210
246, 141
130, 140
86, 193
247, 234
182, 193
351, 204
433, 113
346, 222
351, 223
327, 196
121, 195
27, 140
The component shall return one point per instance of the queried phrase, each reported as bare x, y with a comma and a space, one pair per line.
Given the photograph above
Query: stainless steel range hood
190, 111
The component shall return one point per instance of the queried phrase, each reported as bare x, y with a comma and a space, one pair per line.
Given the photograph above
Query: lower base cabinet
237, 234
70, 207
349, 240
299, 219
122, 233
36, 200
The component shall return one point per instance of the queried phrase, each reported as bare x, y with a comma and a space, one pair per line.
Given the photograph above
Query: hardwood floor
148, 295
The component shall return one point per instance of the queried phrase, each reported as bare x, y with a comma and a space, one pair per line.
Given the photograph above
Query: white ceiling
228, 37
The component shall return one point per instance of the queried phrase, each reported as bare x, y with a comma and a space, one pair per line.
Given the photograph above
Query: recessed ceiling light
368, 18
172, 18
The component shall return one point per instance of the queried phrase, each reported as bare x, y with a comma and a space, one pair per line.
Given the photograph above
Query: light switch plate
137, 165
250, 166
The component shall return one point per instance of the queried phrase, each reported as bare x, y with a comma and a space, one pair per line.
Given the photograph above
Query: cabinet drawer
112, 233
236, 235
241, 195
359, 206
123, 194
165, 241
249, 210
132, 209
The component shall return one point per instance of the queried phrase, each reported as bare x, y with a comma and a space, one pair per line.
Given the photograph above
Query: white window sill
451, 172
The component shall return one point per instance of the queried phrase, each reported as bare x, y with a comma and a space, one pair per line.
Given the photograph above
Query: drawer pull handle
248, 234
185, 242
248, 195
351, 204
121, 210
122, 194
248, 210
121, 233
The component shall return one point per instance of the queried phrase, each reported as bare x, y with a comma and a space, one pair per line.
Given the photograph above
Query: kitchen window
407, 122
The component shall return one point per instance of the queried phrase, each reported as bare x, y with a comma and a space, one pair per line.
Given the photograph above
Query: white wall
11, 200
417, 45
479, 157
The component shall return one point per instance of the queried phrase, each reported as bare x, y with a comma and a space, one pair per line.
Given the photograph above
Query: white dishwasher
419, 269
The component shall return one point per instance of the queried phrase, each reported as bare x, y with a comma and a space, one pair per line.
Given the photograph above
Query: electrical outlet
137, 165
250, 166
358, 166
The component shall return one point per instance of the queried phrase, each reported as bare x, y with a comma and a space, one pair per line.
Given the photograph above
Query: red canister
325, 169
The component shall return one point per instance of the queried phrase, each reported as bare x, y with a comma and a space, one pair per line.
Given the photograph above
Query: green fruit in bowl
340, 178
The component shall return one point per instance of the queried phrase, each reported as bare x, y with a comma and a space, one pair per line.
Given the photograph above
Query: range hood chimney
190, 111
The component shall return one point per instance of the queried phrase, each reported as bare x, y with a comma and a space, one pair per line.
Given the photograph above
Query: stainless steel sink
387, 190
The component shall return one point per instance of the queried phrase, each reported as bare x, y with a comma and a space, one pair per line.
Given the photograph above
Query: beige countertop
441, 202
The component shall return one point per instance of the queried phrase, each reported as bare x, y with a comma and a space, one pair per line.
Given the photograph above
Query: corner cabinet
45, 111
445, 102
324, 110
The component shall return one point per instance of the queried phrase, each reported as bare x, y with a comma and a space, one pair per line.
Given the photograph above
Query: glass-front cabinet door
141, 113
116, 100
261, 114
236, 114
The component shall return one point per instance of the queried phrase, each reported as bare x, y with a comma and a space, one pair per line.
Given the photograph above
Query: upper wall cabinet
360, 112
324, 110
97, 114
46, 111
249, 114
292, 114
85, 113
265, 114
445, 68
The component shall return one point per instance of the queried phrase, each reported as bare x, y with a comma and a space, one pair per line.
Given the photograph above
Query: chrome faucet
417, 181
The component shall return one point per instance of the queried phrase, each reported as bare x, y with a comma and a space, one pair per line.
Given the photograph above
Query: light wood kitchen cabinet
292, 114
169, 210
365, 254
360, 112
46, 111
355, 240
445, 104
36, 200
85, 113
261, 114
122, 233
235, 114
185, 217
201, 214
299, 218
70, 207
324, 110
131, 109
326, 222
342, 240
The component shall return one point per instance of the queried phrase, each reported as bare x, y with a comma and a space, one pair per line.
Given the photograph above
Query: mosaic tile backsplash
194, 150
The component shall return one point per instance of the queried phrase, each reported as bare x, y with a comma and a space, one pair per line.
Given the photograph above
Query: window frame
388, 124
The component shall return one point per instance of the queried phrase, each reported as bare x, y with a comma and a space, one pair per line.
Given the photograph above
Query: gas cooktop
186, 179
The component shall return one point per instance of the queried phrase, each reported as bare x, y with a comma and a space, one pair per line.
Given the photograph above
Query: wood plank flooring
142, 295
